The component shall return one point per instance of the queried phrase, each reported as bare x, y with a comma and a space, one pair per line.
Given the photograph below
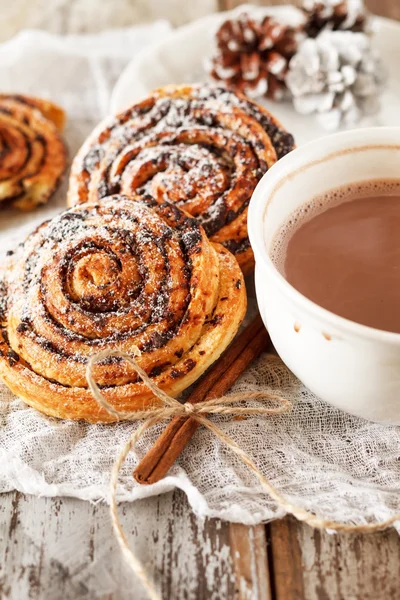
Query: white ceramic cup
352, 366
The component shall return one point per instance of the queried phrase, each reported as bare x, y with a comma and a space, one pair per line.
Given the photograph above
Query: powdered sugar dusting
87, 279
190, 146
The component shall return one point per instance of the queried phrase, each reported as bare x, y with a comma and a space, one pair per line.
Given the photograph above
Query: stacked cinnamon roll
145, 256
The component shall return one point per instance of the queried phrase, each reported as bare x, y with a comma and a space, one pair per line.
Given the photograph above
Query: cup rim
329, 145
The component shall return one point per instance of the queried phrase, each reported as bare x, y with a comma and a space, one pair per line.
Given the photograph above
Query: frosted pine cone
338, 76
252, 56
334, 14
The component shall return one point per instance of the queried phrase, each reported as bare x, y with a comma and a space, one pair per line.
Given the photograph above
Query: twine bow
170, 407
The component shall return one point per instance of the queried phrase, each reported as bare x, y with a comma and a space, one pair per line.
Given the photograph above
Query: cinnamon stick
222, 375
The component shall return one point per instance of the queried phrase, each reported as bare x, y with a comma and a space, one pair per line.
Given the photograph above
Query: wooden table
64, 549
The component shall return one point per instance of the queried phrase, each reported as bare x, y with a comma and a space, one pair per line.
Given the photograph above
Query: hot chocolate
342, 251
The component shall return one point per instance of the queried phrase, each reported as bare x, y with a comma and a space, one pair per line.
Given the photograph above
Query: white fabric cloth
338, 466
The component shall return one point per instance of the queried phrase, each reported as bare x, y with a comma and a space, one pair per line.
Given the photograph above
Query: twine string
225, 405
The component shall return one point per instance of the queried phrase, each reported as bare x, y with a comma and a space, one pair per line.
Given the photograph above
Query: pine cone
338, 76
252, 56
346, 15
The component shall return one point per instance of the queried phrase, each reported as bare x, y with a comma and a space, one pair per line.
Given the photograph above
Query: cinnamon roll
115, 275
32, 154
202, 147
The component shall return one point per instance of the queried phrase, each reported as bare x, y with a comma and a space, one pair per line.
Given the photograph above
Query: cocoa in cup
350, 359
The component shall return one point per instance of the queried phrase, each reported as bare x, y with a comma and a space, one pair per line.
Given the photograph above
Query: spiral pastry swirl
115, 275
32, 154
201, 147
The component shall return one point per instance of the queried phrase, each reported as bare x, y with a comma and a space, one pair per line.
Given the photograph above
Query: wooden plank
286, 561
64, 548
385, 8
250, 560
316, 565
229, 4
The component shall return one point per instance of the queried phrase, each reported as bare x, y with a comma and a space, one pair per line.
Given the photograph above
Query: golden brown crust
32, 154
202, 147
115, 275
53, 112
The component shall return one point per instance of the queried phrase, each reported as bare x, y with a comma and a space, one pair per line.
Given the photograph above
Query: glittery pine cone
338, 76
252, 56
345, 15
